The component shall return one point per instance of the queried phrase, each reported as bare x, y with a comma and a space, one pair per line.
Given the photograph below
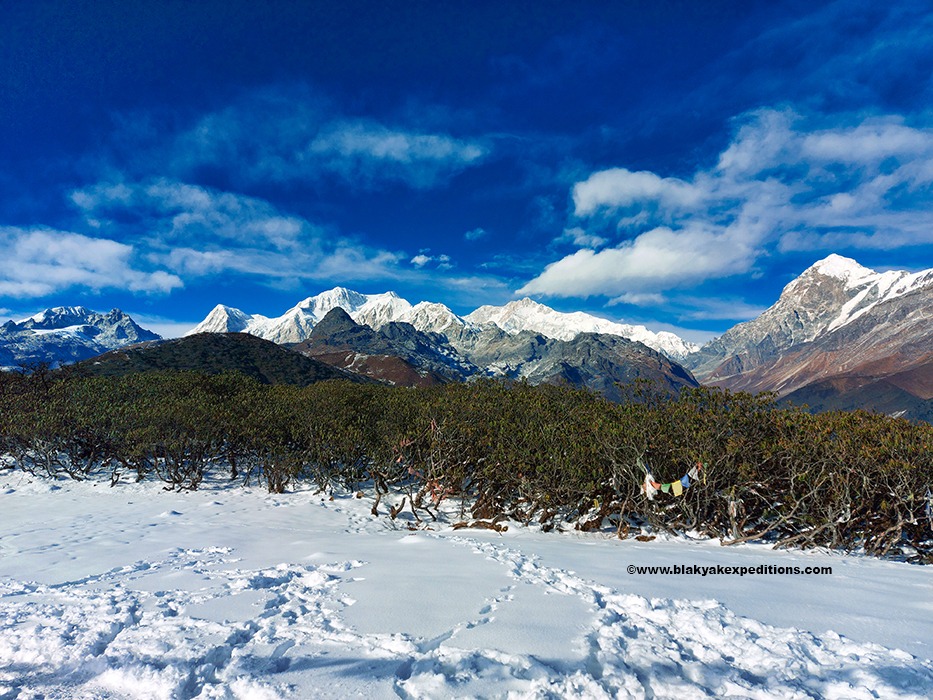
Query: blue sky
670, 163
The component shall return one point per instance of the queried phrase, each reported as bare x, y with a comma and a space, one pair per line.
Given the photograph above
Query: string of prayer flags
650, 486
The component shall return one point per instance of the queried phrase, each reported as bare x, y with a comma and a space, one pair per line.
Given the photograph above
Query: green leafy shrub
552, 455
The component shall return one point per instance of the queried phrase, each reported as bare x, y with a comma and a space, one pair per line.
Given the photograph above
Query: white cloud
638, 299
294, 136
618, 188
717, 309
364, 152
180, 212
343, 263
43, 261
870, 142
580, 238
196, 231
777, 187
475, 234
377, 142
764, 138
441, 262
658, 259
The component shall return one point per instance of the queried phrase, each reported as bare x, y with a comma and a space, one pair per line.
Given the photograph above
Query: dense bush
552, 455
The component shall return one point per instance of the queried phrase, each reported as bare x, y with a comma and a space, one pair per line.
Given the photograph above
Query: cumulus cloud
618, 187
660, 258
44, 261
475, 234
784, 183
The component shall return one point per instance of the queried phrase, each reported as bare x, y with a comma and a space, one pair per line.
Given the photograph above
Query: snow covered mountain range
375, 310
66, 334
840, 336
400, 354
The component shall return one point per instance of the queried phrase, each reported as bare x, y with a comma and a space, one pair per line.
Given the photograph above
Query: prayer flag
650, 486
665, 487
685, 481
677, 487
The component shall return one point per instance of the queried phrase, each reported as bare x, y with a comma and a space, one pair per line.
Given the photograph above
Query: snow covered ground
135, 592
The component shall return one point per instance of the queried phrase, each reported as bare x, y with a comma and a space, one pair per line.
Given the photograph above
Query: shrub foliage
552, 455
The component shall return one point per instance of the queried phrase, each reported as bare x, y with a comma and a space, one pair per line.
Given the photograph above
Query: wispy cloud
639, 299
293, 136
785, 182
177, 212
365, 151
197, 232
42, 261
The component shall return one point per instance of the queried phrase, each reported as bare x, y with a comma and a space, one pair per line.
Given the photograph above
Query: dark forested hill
213, 353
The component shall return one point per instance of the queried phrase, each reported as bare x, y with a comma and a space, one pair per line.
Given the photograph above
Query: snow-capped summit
432, 317
57, 317
379, 309
295, 324
837, 317
854, 290
338, 297
66, 334
224, 319
840, 267
529, 315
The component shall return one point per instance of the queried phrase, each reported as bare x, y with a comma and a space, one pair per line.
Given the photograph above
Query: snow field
134, 592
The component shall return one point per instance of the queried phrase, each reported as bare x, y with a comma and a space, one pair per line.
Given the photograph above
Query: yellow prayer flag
677, 488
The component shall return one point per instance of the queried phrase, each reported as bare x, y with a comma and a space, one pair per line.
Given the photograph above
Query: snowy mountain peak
65, 334
59, 317
842, 268
529, 315
857, 290
222, 319
380, 309
338, 296
831, 304
526, 303
432, 317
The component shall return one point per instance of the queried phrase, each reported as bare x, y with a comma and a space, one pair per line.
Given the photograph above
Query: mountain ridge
67, 334
840, 326
401, 354
375, 310
843, 329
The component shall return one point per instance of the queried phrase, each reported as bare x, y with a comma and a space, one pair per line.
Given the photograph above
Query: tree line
551, 455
